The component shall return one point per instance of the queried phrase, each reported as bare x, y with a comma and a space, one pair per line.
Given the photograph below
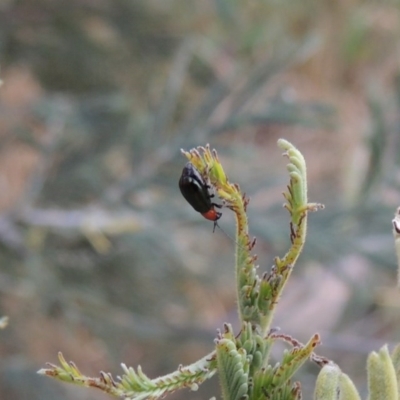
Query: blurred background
101, 257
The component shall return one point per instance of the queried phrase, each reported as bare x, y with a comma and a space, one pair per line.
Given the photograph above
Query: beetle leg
215, 224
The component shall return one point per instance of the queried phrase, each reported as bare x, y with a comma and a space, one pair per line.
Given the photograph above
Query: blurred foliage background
100, 256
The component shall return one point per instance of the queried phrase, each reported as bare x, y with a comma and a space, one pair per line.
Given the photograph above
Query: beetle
196, 192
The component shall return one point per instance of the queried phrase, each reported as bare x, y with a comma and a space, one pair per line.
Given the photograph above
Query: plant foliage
242, 359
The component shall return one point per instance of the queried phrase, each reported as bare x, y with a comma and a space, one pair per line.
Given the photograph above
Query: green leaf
382, 382
233, 367
347, 389
327, 385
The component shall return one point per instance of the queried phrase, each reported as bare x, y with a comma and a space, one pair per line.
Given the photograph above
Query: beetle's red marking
212, 215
